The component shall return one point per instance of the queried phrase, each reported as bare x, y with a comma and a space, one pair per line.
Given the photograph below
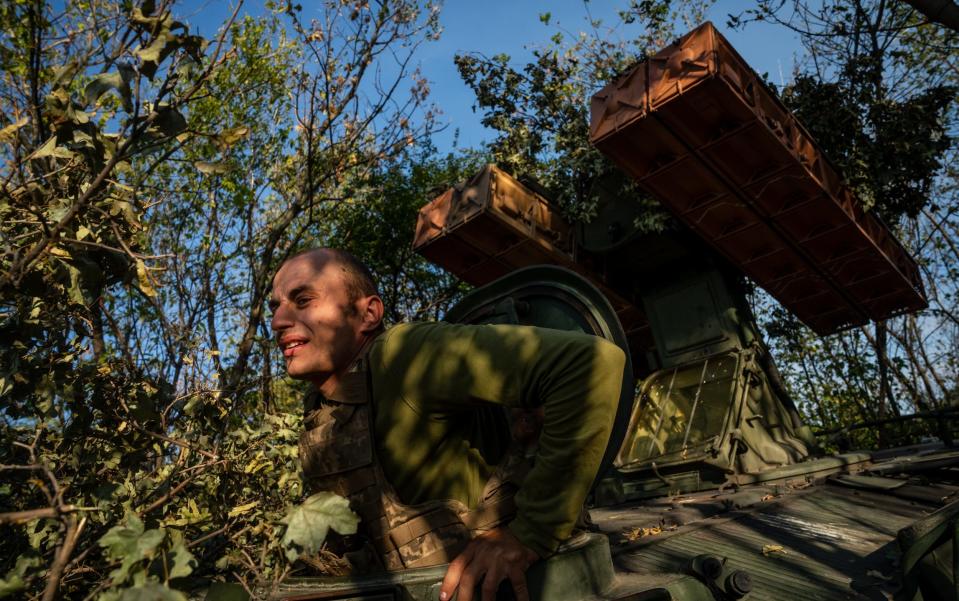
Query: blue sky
513, 27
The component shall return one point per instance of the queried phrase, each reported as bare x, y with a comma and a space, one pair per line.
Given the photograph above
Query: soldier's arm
576, 379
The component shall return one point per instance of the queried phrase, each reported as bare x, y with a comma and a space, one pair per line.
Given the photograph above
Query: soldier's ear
371, 310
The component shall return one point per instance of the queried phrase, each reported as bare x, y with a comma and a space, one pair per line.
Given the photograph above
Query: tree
380, 225
96, 90
541, 110
153, 183
879, 94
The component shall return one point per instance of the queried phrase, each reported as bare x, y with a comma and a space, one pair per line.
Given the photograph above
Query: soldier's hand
490, 558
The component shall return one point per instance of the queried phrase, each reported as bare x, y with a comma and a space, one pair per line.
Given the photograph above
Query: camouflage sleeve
444, 369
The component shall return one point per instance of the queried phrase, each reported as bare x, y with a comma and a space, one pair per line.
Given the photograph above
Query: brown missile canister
697, 128
490, 226
493, 224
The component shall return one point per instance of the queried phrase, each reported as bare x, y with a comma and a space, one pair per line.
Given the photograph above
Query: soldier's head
325, 308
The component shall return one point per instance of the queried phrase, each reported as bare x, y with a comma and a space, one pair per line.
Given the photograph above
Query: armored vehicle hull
858, 526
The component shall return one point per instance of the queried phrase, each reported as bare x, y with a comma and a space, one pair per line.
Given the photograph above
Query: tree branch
20, 517
63, 556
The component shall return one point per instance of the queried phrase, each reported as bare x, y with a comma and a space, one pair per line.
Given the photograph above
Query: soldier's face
317, 326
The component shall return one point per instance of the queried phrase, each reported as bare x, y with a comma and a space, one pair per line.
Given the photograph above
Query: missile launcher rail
493, 225
696, 127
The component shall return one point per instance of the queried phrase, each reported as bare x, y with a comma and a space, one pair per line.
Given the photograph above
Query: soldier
408, 423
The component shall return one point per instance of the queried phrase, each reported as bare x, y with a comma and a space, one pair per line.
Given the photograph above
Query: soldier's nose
280, 319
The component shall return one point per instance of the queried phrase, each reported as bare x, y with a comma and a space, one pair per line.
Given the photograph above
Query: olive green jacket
439, 434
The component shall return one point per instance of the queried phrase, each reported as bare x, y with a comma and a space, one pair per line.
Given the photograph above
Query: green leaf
129, 543
229, 137
151, 54
115, 80
241, 509
8, 132
226, 591
308, 524
183, 561
169, 121
190, 514
162, 45
65, 73
152, 591
14, 580
147, 8
75, 288
118, 206
57, 100
50, 149
211, 168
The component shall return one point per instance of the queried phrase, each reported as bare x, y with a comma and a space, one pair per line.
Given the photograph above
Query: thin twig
20, 517
174, 441
206, 537
172, 493
63, 556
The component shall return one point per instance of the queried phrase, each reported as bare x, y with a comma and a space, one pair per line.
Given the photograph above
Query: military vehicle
712, 487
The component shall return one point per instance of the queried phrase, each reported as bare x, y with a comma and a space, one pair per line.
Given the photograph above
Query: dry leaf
241, 509
639, 532
770, 549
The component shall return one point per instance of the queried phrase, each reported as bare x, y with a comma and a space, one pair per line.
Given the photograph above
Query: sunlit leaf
144, 280
118, 80
50, 149
308, 524
211, 168
8, 132
773, 549
229, 137
183, 561
75, 289
241, 509
62, 75
151, 53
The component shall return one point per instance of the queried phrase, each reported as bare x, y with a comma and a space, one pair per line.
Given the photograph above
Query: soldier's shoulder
412, 327
401, 334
